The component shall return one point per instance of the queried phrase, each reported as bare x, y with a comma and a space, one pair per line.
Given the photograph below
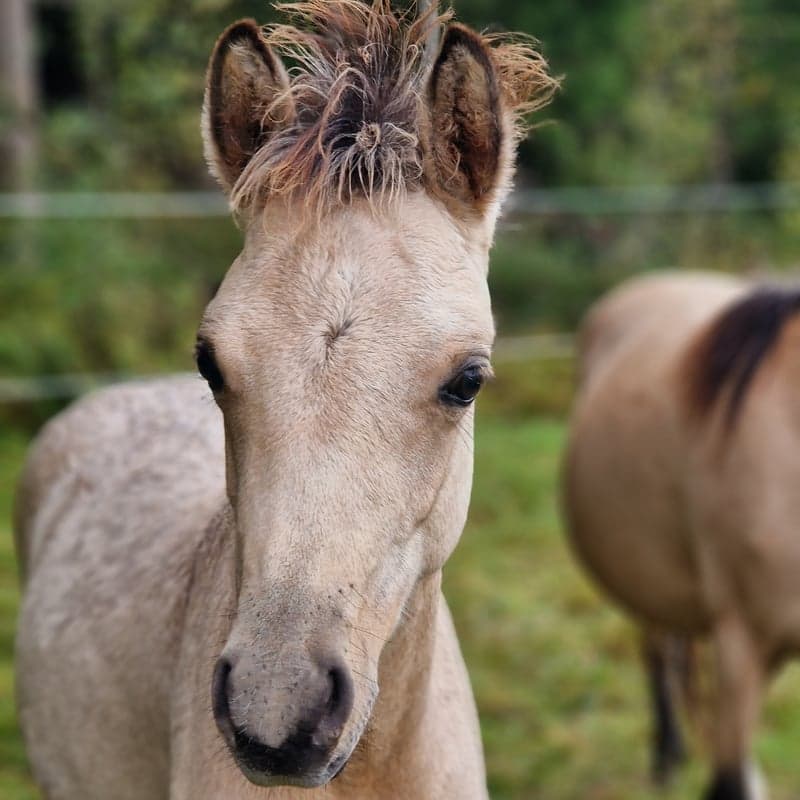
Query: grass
554, 668
14, 781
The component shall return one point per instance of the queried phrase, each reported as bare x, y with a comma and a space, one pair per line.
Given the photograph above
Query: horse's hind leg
741, 677
666, 660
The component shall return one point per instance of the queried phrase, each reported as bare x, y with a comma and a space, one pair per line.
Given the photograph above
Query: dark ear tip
242, 31
246, 28
460, 35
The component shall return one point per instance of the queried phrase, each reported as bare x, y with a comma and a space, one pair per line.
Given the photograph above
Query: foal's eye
207, 366
461, 389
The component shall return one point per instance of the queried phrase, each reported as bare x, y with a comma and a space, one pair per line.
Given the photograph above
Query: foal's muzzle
305, 756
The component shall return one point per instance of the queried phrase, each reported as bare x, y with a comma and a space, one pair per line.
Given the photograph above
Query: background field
675, 142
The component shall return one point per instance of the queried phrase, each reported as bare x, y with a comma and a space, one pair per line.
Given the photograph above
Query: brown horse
681, 486
297, 556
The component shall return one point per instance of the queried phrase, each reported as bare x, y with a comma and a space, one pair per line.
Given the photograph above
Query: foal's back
114, 499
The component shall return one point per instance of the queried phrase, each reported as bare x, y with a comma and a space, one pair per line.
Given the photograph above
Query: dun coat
237, 595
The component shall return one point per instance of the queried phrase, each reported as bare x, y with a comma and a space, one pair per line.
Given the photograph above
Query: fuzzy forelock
355, 102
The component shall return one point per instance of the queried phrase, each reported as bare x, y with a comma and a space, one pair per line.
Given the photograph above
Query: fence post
19, 96
19, 116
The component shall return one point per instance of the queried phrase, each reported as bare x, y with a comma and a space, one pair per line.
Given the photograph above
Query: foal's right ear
246, 100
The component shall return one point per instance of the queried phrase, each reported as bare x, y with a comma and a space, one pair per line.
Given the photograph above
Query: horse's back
743, 463
113, 501
625, 467
657, 312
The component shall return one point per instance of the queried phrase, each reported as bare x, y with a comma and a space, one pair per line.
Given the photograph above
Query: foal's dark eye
207, 366
462, 388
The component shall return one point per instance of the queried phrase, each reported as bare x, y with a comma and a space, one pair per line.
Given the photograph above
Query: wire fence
112, 205
569, 200
579, 201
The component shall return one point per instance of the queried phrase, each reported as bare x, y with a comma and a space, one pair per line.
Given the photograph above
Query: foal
297, 557
681, 484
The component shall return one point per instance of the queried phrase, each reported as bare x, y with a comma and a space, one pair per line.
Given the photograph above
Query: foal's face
345, 350
345, 358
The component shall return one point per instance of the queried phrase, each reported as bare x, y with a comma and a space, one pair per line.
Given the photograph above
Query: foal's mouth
273, 767
338, 764
301, 779
284, 766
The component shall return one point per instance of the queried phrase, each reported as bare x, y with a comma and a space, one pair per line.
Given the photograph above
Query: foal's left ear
471, 132
246, 100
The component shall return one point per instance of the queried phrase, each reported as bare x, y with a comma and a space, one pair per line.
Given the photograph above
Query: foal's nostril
337, 709
219, 697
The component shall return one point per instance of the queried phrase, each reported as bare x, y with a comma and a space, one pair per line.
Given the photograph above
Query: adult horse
681, 486
297, 557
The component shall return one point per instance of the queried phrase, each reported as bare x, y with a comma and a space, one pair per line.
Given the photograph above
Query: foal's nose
320, 709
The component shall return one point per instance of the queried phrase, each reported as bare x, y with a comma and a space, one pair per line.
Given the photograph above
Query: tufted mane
358, 75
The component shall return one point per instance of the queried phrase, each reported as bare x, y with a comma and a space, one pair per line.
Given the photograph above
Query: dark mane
357, 88
726, 357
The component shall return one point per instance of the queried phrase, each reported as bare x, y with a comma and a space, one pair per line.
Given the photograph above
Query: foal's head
345, 347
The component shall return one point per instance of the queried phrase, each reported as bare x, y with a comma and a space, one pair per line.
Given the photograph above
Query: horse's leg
740, 683
664, 658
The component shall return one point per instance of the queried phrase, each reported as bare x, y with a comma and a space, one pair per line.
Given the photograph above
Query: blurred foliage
657, 91
116, 295
524, 388
654, 92
143, 68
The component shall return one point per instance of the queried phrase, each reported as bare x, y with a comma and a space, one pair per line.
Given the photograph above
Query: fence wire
567, 200
579, 201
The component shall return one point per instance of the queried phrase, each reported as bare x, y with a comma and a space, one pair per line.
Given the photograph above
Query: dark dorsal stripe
728, 354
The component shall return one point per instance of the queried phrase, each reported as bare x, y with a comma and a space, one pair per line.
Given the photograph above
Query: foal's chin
311, 779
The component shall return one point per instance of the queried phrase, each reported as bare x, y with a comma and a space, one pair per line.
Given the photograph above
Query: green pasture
554, 669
